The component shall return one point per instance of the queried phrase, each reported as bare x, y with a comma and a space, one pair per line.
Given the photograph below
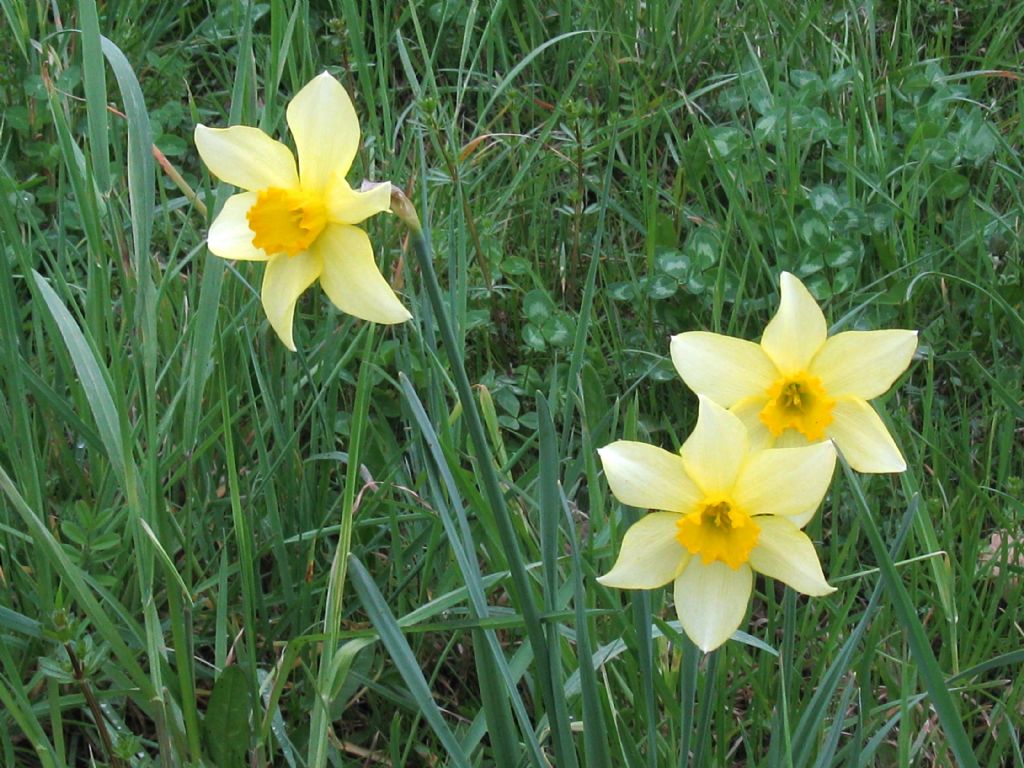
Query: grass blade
94, 382
804, 735
595, 743
549, 500
920, 648
94, 75
334, 609
495, 672
523, 589
393, 639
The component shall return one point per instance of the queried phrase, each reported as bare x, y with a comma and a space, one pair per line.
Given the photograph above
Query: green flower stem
242, 526
706, 708
318, 743
522, 590
920, 649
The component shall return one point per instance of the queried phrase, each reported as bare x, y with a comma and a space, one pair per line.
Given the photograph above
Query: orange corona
798, 402
717, 530
286, 220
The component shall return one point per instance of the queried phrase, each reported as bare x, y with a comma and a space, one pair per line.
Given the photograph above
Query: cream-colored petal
246, 157
326, 131
230, 236
351, 278
803, 518
785, 481
862, 438
791, 438
716, 449
797, 331
650, 556
724, 368
863, 364
283, 282
748, 411
711, 601
785, 553
761, 439
351, 206
648, 477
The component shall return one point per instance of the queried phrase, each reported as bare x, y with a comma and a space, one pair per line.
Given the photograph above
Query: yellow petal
715, 450
863, 364
351, 278
650, 556
230, 236
792, 439
246, 157
349, 206
283, 282
648, 477
326, 131
748, 411
724, 368
802, 519
862, 438
798, 329
785, 553
711, 601
785, 481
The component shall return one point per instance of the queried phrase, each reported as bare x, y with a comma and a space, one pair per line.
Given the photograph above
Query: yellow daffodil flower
724, 512
301, 220
799, 385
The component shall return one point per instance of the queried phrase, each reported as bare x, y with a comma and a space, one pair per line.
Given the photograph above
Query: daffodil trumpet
721, 512
300, 218
799, 385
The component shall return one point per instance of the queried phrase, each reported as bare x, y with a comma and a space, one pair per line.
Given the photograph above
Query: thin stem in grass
688, 694
408, 666
522, 589
339, 567
920, 649
171, 172
595, 741
549, 498
94, 705
641, 605
787, 655
498, 686
706, 708
240, 518
467, 215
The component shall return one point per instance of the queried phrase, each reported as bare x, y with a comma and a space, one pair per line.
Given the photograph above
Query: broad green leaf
226, 727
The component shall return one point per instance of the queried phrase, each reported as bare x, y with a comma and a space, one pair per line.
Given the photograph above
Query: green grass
178, 498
